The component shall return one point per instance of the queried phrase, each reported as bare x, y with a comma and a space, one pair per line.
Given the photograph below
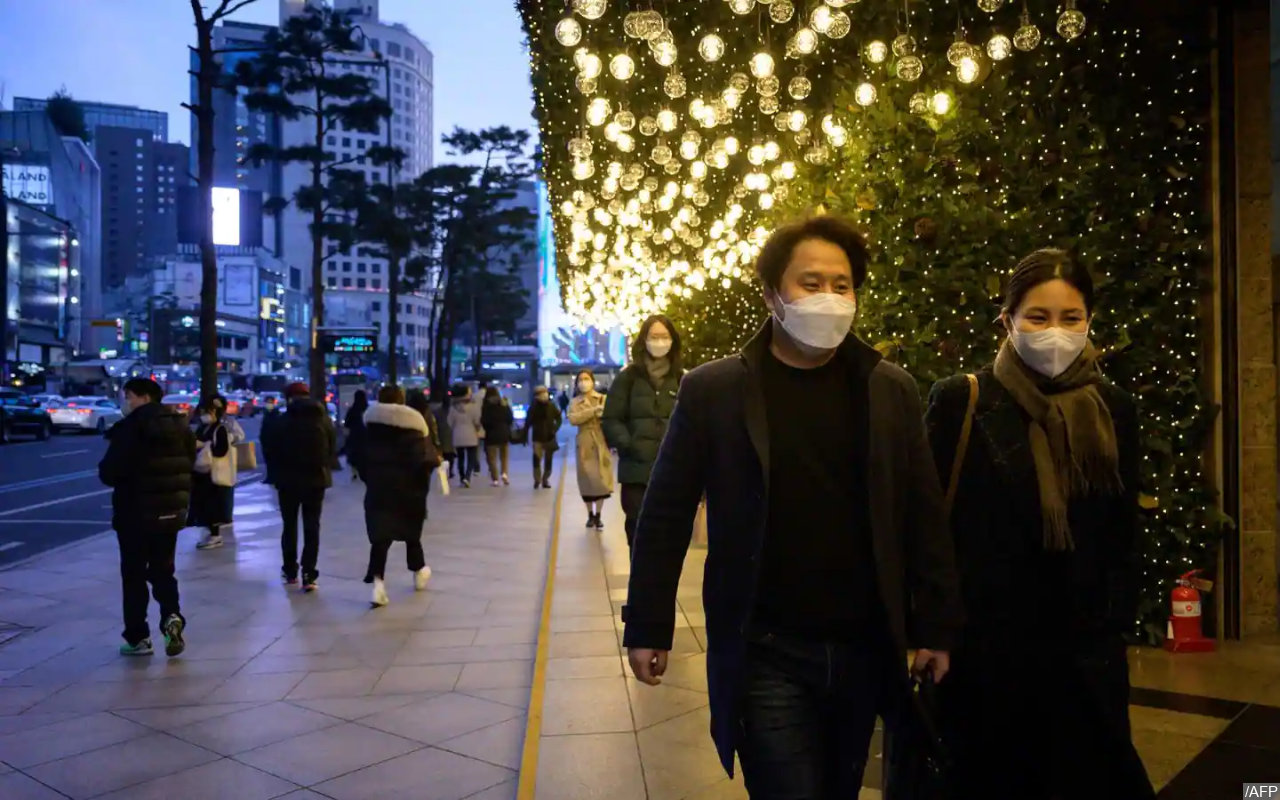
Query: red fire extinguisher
1185, 633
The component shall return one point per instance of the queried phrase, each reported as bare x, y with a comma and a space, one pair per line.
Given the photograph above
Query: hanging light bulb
622, 67
762, 65
769, 105
755, 154
590, 9
586, 85
650, 24
999, 47
568, 32
940, 103
625, 119
626, 142
580, 147
805, 41
584, 169
838, 137
820, 19
740, 81
771, 150
688, 151
648, 126
598, 111
732, 145
742, 6
990, 6
919, 103
589, 65
782, 11
910, 68
904, 45
1071, 22
797, 119
664, 52
967, 71
766, 203
799, 87
877, 52
660, 154
768, 86
711, 48
631, 24
1027, 37
960, 49
865, 94
787, 170
674, 85
611, 131
698, 170
840, 25
829, 124
668, 120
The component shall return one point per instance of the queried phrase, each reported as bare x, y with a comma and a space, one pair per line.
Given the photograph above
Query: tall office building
140, 182
155, 123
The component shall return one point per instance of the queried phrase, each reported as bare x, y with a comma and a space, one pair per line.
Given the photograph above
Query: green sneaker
173, 643
142, 648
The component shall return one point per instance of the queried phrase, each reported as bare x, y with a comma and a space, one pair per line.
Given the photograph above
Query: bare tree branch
227, 8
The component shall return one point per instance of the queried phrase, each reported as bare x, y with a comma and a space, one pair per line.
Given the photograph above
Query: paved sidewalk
280, 693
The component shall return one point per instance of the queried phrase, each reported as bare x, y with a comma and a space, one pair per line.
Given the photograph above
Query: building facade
96, 115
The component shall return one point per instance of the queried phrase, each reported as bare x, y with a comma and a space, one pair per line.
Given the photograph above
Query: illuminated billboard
226, 216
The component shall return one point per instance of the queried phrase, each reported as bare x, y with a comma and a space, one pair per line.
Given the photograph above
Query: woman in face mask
595, 465
215, 475
1040, 457
638, 407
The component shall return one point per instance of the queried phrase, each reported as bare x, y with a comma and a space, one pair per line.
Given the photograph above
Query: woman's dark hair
584, 371
361, 399
215, 406
776, 253
491, 392
638, 351
417, 400
391, 395
144, 387
1043, 266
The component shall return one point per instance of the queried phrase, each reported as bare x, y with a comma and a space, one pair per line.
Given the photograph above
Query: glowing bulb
805, 41
711, 48
667, 120
877, 52
598, 111
731, 145
797, 119
762, 65
940, 103
967, 70
742, 6
589, 65
999, 47
865, 94
622, 67
568, 32
820, 19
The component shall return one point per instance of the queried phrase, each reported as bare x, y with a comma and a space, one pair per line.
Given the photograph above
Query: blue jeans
808, 712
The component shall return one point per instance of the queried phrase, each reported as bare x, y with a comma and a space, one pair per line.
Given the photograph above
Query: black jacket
497, 420
149, 459
397, 472
354, 423
635, 420
299, 445
717, 442
544, 422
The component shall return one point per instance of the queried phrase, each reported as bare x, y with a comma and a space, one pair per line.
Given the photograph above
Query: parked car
20, 415
85, 414
185, 403
48, 400
261, 403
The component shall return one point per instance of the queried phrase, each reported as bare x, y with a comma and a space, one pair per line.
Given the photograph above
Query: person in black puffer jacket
498, 422
400, 456
543, 426
148, 464
300, 445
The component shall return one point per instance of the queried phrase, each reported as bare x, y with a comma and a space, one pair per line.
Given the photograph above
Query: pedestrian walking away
148, 464
1041, 455
354, 424
444, 432
639, 404
543, 425
498, 422
214, 478
401, 456
595, 464
827, 540
464, 424
299, 445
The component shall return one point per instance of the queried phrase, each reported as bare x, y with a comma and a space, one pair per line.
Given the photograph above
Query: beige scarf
1073, 438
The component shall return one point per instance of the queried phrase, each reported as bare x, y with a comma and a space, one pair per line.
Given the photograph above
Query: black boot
599, 523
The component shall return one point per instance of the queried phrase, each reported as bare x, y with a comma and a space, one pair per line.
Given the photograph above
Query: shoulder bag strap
966, 428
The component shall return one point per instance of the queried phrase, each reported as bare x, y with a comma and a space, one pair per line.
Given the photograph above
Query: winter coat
300, 445
209, 490
544, 423
464, 421
635, 420
1070, 607
354, 423
717, 446
440, 412
595, 464
498, 422
397, 473
149, 460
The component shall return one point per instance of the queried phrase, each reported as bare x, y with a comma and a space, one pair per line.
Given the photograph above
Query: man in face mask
826, 532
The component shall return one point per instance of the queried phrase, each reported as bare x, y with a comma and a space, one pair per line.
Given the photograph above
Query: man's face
816, 266
133, 401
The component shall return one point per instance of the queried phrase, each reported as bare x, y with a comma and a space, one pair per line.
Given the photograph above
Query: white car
85, 414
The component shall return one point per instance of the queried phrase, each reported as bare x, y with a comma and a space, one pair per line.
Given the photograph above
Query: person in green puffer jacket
636, 411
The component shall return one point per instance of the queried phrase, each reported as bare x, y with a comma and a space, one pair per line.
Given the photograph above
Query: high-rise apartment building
155, 123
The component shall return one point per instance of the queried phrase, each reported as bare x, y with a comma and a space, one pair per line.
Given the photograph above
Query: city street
50, 494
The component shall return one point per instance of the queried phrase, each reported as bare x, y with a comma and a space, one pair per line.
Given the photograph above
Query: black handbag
917, 765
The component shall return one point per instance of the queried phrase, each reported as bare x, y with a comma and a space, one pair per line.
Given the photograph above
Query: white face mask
207, 419
585, 386
658, 348
1050, 351
819, 321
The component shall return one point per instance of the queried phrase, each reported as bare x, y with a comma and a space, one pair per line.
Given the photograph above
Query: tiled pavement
282, 694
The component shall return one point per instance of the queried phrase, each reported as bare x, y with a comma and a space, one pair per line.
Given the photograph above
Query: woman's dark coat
498, 422
1066, 610
544, 423
209, 502
635, 420
356, 435
397, 473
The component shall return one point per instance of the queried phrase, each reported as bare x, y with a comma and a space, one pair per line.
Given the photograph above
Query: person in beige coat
595, 465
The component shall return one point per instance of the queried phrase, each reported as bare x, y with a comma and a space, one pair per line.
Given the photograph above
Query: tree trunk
393, 318
475, 325
319, 380
206, 77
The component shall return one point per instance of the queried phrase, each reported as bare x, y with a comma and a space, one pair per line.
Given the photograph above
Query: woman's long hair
638, 350
360, 402
576, 378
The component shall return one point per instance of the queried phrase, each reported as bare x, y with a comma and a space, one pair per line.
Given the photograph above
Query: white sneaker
505, 480
380, 592
421, 577
210, 541
494, 484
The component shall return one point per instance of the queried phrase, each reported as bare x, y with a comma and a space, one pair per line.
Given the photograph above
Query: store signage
351, 344
28, 183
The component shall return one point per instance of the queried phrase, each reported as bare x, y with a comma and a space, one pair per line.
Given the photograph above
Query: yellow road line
533, 721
